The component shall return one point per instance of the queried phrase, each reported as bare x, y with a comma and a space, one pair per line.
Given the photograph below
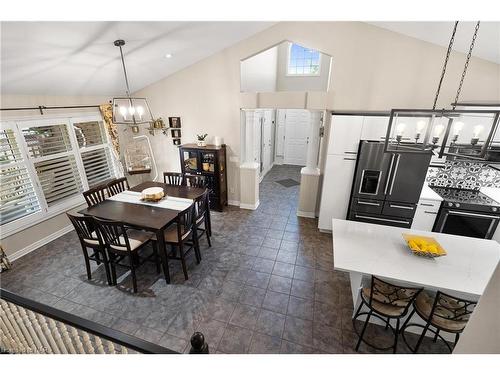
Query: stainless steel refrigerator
387, 186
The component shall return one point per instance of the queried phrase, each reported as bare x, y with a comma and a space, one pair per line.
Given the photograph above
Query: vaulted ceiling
79, 58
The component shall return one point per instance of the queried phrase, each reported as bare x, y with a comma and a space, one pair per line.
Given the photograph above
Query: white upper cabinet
374, 128
345, 134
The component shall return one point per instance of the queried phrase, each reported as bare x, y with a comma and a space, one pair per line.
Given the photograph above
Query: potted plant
201, 140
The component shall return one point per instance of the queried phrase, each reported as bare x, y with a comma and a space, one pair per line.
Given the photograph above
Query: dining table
150, 217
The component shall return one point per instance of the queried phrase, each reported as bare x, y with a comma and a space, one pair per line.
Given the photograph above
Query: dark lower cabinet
208, 161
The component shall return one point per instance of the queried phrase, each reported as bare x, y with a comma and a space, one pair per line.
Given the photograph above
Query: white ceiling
487, 44
79, 58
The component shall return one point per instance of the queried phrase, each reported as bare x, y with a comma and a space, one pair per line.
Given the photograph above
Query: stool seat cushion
379, 304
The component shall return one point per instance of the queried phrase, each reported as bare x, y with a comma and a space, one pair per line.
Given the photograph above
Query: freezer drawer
367, 205
382, 220
405, 210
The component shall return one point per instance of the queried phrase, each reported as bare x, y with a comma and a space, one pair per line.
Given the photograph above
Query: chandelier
465, 133
128, 110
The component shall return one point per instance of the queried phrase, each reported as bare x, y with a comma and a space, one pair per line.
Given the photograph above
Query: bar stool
384, 301
442, 312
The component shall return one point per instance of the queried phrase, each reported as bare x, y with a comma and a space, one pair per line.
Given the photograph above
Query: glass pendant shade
131, 111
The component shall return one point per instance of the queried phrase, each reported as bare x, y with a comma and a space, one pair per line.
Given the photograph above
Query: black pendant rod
41, 108
119, 43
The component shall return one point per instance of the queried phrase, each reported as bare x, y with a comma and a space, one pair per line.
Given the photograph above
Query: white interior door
280, 135
297, 125
257, 137
267, 145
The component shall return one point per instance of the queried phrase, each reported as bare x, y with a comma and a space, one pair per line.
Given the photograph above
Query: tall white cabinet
345, 133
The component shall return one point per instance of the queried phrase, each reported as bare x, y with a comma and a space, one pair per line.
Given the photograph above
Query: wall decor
174, 122
175, 129
463, 175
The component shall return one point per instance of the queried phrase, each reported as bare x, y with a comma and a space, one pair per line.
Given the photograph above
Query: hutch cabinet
208, 161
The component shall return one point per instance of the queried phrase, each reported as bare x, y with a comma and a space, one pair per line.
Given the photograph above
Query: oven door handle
470, 214
381, 219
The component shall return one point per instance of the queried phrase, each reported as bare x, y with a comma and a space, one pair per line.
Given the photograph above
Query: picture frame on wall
176, 133
177, 142
174, 122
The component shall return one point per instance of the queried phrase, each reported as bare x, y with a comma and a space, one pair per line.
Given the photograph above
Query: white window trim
300, 75
46, 212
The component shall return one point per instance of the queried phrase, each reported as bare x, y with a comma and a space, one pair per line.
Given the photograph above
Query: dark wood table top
143, 216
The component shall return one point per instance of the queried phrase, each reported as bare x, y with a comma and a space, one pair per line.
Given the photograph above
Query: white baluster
99, 347
38, 329
111, 347
8, 341
48, 334
57, 336
67, 338
15, 331
124, 350
29, 325
88, 344
78, 341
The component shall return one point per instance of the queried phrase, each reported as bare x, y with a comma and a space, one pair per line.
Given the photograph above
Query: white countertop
380, 250
429, 194
493, 193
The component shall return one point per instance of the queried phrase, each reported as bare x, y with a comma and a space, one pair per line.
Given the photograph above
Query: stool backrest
395, 295
117, 186
452, 308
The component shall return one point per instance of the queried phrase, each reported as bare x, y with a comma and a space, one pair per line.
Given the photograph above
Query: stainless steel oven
467, 223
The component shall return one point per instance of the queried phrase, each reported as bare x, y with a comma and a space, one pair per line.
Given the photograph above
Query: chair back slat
197, 181
85, 228
201, 204
173, 178
117, 186
185, 220
452, 308
113, 233
94, 196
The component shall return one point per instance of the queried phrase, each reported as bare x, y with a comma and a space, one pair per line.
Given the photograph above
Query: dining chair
196, 181
123, 243
95, 195
117, 186
91, 239
384, 301
202, 219
173, 178
181, 236
440, 312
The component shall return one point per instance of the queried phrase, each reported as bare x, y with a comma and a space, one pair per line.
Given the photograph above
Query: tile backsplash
463, 175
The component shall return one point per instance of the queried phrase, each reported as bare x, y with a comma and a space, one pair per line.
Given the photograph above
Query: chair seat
171, 235
378, 304
136, 238
200, 219
423, 305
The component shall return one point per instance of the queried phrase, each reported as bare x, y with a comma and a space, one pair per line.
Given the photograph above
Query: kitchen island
364, 249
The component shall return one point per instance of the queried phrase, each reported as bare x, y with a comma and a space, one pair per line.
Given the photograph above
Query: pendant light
464, 133
128, 110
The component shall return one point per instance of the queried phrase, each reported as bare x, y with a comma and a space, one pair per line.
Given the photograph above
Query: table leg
163, 254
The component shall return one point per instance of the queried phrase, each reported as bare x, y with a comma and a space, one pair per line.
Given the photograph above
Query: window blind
47, 140
59, 178
89, 133
9, 149
98, 166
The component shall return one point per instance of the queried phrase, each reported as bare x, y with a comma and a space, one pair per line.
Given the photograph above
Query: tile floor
266, 285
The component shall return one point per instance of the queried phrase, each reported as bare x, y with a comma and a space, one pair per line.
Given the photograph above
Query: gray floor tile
259, 279
270, 323
252, 296
298, 331
280, 284
277, 302
302, 289
283, 269
300, 308
263, 344
244, 316
235, 340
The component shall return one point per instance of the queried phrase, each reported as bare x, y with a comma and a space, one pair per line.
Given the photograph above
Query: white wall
258, 73
285, 82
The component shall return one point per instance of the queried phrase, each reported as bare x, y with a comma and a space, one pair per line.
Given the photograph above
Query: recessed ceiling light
168, 55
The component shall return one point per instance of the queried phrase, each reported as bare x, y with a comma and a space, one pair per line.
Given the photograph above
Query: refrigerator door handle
389, 175
394, 174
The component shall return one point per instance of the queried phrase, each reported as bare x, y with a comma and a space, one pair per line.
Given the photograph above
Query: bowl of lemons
424, 246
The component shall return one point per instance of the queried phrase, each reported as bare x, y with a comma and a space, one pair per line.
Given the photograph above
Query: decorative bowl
152, 194
423, 246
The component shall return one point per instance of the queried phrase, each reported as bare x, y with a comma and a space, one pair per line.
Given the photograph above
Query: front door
267, 145
297, 129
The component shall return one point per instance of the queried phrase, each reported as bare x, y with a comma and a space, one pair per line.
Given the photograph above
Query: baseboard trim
233, 203
250, 206
35, 245
311, 215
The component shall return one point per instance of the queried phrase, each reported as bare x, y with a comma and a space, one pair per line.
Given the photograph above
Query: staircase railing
31, 327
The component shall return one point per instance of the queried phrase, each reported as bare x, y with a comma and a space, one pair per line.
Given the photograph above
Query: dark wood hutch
208, 161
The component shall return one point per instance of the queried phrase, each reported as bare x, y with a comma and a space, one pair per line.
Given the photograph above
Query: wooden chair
124, 243
89, 238
386, 302
202, 219
173, 178
117, 186
95, 195
196, 181
442, 312
181, 235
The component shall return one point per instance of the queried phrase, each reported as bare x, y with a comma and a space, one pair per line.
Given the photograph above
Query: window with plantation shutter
46, 164
17, 195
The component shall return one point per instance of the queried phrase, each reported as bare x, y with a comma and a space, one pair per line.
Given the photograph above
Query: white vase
201, 143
